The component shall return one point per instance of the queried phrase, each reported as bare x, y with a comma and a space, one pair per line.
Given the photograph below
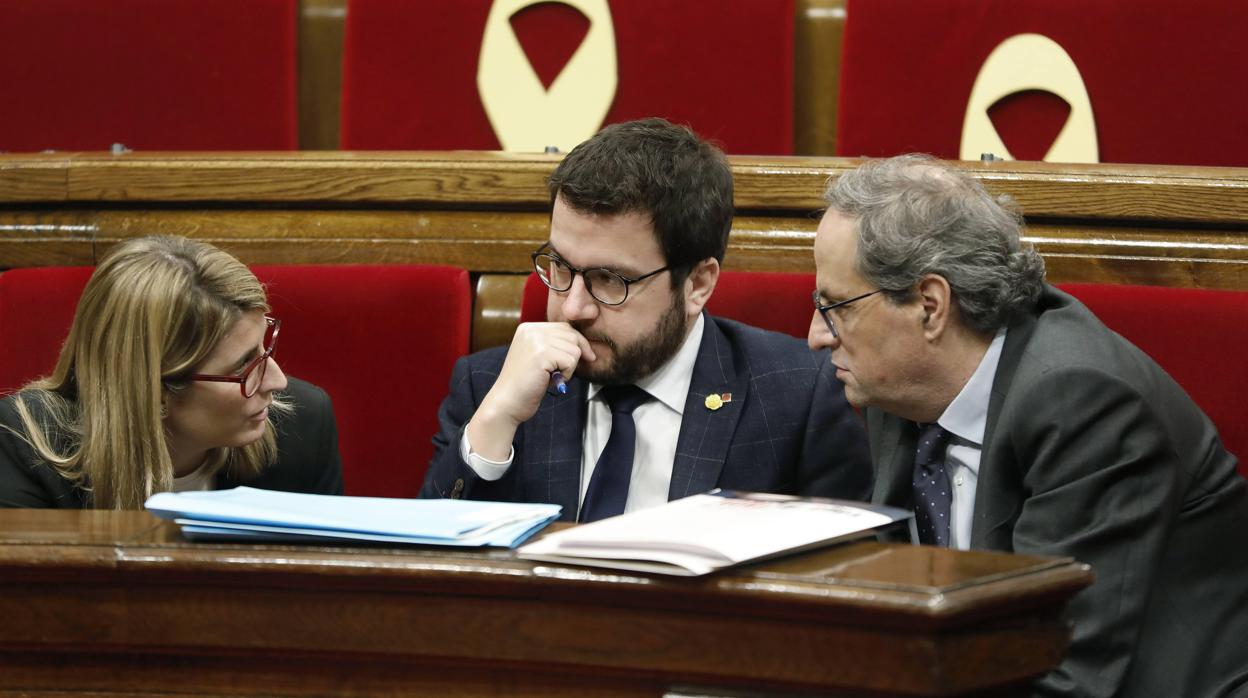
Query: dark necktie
608, 486
932, 496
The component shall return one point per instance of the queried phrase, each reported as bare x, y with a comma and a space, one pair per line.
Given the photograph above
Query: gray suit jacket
787, 429
1091, 451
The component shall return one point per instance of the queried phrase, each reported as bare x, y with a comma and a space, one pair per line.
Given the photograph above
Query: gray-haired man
1010, 418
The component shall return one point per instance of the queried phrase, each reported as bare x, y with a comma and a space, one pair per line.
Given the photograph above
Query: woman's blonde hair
153, 310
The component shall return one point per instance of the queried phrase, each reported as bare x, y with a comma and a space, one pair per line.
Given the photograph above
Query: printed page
715, 530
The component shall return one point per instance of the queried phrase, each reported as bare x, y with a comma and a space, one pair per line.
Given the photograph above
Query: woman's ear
700, 284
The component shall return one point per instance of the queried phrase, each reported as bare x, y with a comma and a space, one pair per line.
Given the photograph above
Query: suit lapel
994, 512
552, 450
706, 434
893, 442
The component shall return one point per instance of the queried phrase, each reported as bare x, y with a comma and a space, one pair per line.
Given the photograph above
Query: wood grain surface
485, 212
118, 601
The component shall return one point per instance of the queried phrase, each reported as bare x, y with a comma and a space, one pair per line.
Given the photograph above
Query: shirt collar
967, 416
670, 383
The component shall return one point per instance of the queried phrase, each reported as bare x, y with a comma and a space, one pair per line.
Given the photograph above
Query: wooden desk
117, 601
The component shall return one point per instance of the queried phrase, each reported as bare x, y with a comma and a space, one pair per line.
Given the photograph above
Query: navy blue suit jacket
787, 429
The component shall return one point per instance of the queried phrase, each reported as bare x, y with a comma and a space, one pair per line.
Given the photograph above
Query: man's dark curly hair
663, 171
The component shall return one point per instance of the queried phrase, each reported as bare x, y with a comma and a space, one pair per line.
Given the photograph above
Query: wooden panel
1170, 193
320, 72
1163, 225
496, 311
1162, 194
39, 177
492, 242
817, 36
117, 599
338, 177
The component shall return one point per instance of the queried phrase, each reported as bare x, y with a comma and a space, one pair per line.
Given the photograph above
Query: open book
706, 532
245, 514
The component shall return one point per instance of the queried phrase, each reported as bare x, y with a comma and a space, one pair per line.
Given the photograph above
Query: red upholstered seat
1196, 335
36, 309
771, 300
381, 340
726, 69
908, 68
152, 74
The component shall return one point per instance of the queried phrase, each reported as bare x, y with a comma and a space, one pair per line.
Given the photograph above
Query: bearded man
630, 395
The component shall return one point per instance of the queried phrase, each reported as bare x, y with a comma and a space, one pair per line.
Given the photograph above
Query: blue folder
247, 514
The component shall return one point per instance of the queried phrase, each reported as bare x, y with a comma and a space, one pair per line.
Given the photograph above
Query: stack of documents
245, 514
706, 532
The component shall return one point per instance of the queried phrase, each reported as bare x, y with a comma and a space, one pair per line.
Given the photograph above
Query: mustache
593, 336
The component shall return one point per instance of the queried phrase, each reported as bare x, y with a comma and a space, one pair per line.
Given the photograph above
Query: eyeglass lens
605, 286
824, 312
253, 380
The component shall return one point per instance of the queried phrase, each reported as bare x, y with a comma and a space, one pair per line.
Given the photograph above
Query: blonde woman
166, 382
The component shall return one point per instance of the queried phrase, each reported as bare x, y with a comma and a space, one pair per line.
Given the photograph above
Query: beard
633, 362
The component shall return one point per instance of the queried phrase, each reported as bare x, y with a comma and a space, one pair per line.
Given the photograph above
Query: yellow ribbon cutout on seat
527, 117
1030, 62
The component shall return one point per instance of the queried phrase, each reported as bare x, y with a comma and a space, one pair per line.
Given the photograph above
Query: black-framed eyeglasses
252, 376
823, 309
606, 286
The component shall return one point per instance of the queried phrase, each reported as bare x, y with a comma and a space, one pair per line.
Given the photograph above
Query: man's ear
700, 284
936, 298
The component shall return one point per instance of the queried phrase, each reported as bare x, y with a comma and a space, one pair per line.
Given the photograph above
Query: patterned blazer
788, 428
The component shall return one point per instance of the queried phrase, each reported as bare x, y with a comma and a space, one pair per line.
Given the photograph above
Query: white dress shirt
658, 428
965, 419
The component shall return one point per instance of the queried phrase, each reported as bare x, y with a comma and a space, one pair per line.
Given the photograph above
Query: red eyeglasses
252, 376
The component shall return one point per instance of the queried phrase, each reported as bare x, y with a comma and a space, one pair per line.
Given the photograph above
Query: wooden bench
485, 212
1179, 227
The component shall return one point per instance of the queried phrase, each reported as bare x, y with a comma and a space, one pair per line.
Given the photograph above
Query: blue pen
557, 380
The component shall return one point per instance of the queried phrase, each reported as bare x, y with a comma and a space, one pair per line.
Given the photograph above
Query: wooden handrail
485, 211
1162, 193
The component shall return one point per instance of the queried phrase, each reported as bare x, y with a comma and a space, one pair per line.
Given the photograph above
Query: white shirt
966, 418
197, 480
658, 428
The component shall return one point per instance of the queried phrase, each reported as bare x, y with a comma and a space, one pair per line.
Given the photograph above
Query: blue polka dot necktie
932, 494
608, 486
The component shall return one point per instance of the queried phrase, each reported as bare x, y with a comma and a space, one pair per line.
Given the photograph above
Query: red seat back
152, 74
36, 309
908, 69
725, 69
1193, 334
381, 340
1196, 335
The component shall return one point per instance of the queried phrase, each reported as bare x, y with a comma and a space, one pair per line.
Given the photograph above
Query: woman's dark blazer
307, 445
